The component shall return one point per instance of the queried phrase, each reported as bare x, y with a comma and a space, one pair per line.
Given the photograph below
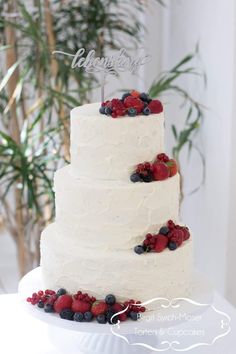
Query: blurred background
192, 44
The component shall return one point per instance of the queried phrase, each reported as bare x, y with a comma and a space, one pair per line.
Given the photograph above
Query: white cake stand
95, 338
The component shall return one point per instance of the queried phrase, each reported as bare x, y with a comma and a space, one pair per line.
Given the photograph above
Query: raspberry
106, 103
155, 106
147, 165
118, 108
185, 230
140, 168
131, 102
148, 236
177, 236
146, 242
153, 240
171, 224
50, 292
116, 103
162, 157
161, 243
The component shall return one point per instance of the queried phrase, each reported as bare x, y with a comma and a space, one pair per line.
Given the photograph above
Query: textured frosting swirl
107, 148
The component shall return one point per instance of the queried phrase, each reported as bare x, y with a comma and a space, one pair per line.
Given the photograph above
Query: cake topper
113, 64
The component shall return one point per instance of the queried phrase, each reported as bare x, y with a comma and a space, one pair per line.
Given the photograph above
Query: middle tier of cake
112, 214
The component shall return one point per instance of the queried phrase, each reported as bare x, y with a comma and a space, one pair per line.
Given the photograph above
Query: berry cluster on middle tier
171, 236
162, 168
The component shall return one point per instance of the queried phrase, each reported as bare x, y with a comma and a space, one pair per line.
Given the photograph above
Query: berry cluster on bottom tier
81, 307
132, 104
170, 236
162, 168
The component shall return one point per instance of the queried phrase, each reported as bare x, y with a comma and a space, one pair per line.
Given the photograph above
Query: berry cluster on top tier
132, 104
159, 170
84, 308
170, 236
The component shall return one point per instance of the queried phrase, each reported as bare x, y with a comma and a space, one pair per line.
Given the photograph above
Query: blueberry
67, 314
110, 299
88, 316
144, 97
134, 315
132, 112
48, 308
135, 177
124, 96
139, 249
164, 230
148, 178
108, 111
102, 109
101, 319
109, 316
172, 245
61, 292
41, 304
78, 317
146, 111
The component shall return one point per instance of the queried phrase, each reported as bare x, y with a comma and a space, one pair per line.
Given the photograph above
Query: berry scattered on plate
81, 307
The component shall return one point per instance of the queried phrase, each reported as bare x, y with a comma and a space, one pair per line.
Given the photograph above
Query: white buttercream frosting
101, 215
112, 214
107, 148
124, 273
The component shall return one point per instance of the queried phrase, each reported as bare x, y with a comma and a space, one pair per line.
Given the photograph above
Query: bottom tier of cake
121, 272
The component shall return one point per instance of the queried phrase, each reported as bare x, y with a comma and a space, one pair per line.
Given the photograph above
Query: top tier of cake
108, 149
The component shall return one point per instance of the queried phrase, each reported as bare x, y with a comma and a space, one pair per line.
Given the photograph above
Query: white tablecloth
20, 333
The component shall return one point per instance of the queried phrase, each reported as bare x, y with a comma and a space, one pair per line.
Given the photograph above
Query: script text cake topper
122, 62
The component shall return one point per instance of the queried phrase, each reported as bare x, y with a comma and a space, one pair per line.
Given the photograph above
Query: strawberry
117, 307
132, 102
63, 302
160, 171
177, 236
135, 93
171, 225
80, 306
155, 106
173, 167
99, 308
162, 157
161, 242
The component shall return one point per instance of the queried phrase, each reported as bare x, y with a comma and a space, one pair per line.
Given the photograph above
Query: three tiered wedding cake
101, 215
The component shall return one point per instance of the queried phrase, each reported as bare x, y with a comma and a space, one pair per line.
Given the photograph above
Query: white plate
32, 282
